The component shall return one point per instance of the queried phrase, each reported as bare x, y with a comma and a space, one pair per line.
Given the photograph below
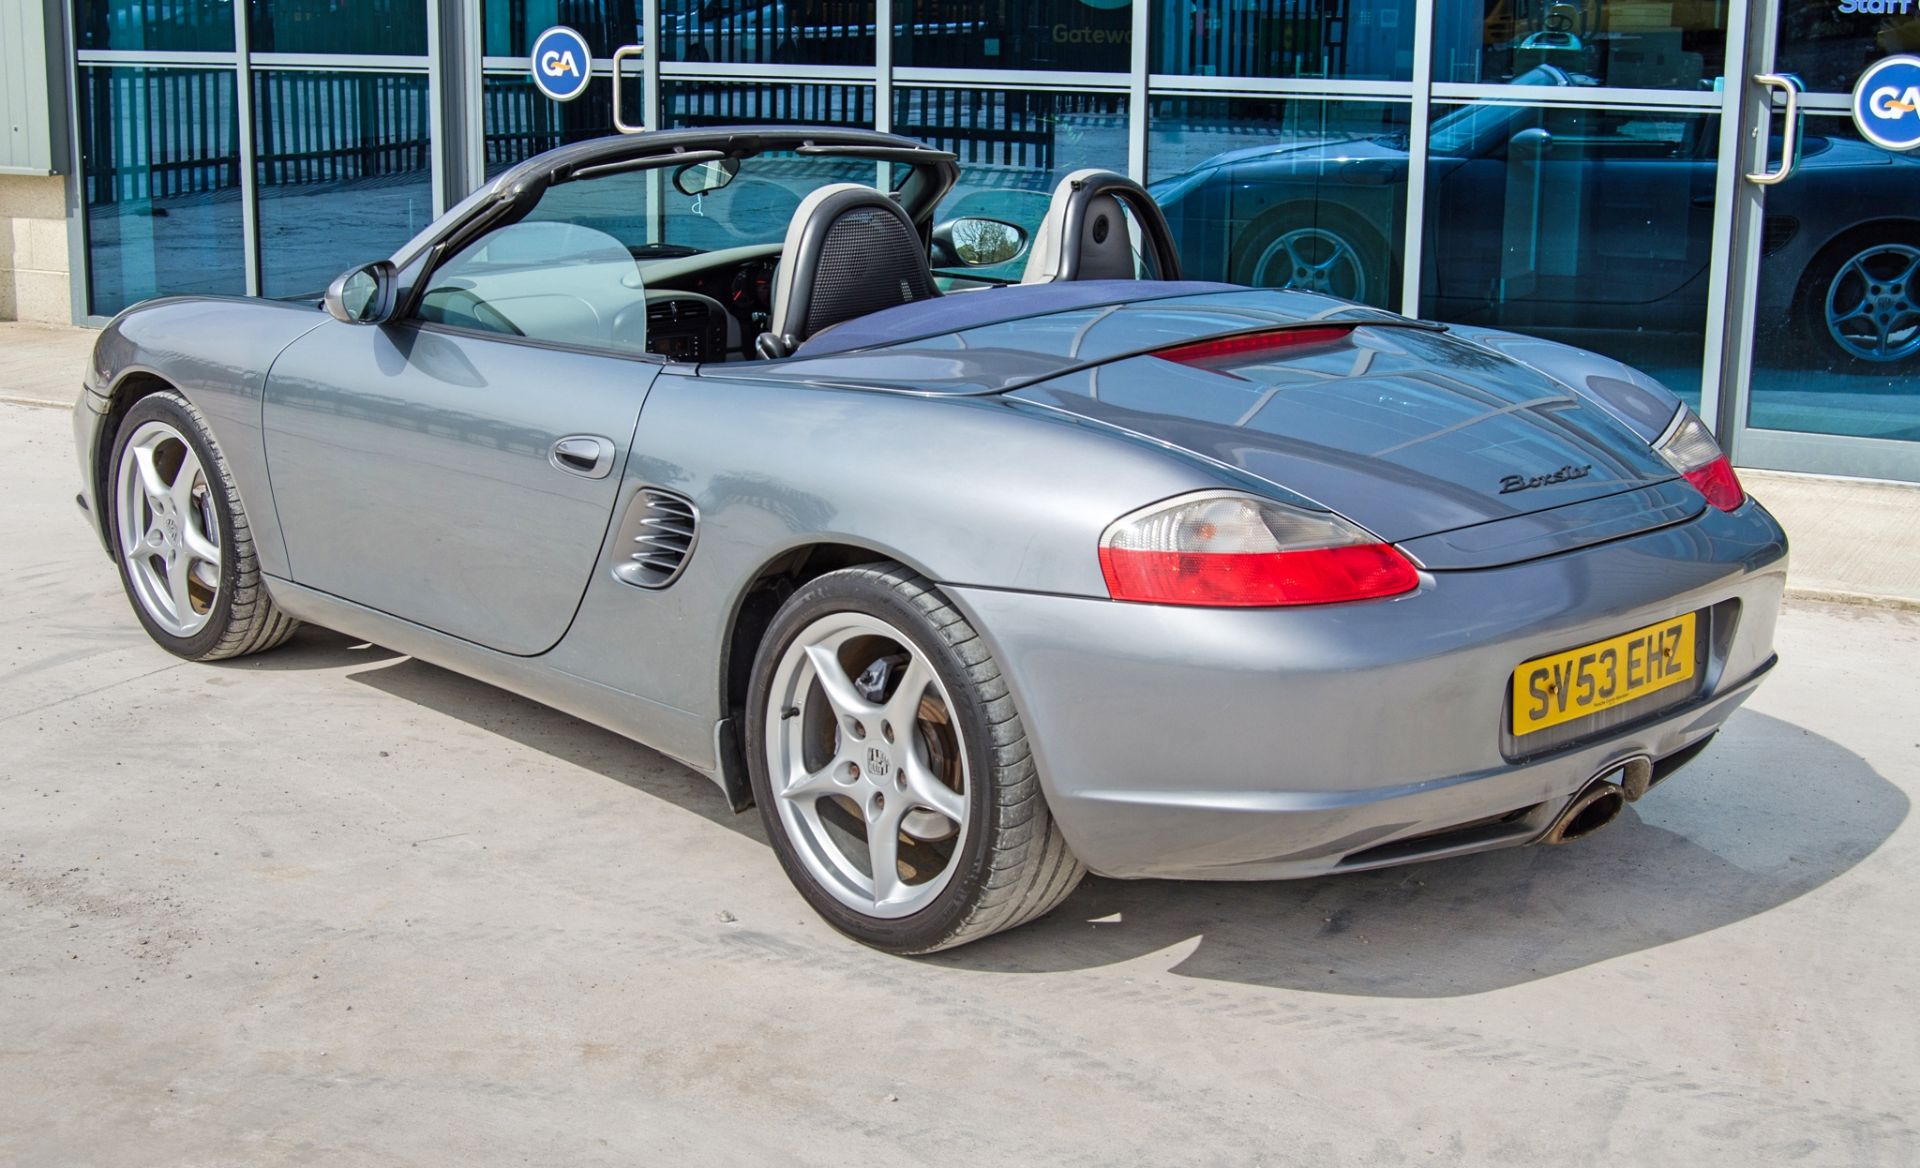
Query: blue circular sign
1886, 103
561, 63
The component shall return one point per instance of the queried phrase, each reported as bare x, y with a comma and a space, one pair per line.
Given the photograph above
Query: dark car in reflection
1566, 220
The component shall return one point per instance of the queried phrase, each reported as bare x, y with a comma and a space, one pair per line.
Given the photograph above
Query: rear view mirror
698, 178
362, 296
977, 243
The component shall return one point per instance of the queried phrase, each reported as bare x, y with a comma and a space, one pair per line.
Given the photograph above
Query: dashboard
725, 306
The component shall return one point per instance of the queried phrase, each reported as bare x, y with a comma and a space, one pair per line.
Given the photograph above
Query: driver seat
850, 250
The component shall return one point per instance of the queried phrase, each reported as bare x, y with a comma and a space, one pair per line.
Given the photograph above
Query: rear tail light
1689, 448
1234, 551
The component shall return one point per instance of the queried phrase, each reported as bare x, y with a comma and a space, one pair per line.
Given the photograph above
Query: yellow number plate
1563, 686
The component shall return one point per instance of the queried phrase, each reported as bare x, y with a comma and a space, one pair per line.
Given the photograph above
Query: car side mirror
365, 295
977, 243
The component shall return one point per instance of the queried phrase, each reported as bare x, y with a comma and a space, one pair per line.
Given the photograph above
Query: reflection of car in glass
970, 592
1565, 219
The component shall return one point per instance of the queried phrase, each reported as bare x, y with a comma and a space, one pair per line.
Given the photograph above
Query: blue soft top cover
955, 312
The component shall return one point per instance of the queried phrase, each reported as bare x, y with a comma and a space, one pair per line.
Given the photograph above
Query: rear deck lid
1408, 432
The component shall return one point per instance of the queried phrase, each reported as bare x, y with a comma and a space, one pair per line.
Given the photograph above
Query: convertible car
708, 437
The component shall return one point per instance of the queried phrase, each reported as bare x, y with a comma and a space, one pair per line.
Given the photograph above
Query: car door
458, 469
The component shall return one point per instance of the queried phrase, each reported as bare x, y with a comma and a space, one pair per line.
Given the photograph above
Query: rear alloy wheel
181, 538
893, 772
1872, 303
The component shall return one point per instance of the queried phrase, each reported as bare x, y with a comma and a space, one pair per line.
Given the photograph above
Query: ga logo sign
1886, 103
561, 62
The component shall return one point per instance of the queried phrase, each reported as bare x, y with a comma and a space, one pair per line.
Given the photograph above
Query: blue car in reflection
1566, 220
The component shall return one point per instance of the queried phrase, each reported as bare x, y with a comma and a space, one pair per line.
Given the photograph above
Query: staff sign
561, 63
1886, 103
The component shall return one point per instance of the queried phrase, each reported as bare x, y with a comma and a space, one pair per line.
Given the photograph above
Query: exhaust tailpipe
1597, 805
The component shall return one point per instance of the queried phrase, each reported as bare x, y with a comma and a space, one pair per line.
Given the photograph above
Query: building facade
1678, 183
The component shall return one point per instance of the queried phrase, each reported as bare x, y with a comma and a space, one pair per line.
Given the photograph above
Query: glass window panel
1837, 350
1639, 44
1363, 40
509, 26
345, 172
1829, 47
1592, 227
1278, 193
1078, 35
522, 122
701, 103
1013, 145
797, 32
204, 26
385, 27
161, 155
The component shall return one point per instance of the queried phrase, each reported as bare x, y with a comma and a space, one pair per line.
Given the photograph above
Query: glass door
1823, 362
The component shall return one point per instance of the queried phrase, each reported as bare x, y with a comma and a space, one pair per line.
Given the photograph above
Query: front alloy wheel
182, 539
892, 770
169, 532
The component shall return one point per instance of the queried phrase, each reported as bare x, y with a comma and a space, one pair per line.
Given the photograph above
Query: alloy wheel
1312, 259
867, 765
1873, 303
169, 531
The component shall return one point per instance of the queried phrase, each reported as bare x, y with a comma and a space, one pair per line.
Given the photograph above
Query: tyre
1860, 300
181, 537
1312, 253
892, 770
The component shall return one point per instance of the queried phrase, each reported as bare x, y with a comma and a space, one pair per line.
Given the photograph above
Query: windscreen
654, 216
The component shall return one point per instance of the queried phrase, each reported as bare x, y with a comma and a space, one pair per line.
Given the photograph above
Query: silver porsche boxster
722, 440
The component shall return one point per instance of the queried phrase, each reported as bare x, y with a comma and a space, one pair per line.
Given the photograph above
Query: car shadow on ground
528, 723
1769, 813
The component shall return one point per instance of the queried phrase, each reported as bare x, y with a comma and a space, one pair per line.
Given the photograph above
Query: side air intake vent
656, 540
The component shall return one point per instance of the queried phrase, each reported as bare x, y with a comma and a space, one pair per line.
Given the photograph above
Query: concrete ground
332, 906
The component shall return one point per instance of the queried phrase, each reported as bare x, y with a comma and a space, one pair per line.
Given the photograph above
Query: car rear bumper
1261, 744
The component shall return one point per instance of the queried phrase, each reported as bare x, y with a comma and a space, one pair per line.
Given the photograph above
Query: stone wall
34, 281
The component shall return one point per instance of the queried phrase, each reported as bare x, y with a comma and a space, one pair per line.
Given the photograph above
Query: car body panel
496, 541
1235, 773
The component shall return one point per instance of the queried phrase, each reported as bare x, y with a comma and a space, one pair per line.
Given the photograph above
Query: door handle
1789, 134
587, 455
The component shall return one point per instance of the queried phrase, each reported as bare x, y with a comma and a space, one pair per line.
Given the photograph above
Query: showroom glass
385, 27
344, 168
1013, 145
1633, 44
717, 103
1592, 227
1829, 49
161, 193
1317, 200
794, 32
508, 27
1357, 40
522, 122
204, 26
1845, 284
1056, 35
